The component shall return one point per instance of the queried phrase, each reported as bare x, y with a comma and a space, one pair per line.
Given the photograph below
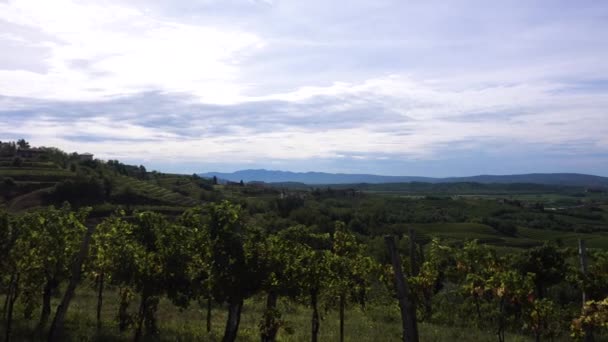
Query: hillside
36, 177
283, 226
270, 176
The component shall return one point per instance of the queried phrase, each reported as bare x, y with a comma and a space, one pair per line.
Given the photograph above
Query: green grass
376, 323
29, 200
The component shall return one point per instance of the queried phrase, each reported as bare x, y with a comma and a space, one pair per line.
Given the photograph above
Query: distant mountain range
270, 176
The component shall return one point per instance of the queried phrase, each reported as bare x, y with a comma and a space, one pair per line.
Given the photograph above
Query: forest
103, 251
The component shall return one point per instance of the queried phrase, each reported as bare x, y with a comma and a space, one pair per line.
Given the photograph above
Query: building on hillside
85, 156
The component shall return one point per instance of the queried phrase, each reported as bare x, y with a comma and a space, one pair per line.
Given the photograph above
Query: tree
142, 173
17, 162
22, 144
547, 263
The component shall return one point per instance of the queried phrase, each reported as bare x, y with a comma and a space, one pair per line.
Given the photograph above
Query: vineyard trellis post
415, 266
56, 329
406, 305
582, 254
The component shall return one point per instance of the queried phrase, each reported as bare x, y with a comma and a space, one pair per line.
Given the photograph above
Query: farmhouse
85, 156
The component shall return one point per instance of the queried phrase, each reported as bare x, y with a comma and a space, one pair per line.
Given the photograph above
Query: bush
501, 226
8, 182
83, 190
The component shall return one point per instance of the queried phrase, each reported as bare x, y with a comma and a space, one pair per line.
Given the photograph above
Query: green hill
50, 176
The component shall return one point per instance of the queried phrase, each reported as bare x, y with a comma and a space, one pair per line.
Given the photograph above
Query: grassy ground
376, 323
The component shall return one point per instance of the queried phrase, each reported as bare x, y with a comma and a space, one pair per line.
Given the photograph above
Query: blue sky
429, 88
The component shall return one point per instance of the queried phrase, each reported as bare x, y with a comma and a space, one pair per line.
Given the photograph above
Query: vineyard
214, 258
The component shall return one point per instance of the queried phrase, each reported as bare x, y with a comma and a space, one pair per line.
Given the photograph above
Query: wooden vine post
415, 265
406, 305
582, 255
56, 330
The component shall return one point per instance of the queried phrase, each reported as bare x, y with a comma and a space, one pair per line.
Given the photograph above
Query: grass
29, 200
376, 323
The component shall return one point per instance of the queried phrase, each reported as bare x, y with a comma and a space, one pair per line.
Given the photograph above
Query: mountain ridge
313, 177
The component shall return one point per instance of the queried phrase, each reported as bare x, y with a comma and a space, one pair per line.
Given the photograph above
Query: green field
374, 323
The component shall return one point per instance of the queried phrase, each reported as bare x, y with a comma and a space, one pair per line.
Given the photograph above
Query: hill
33, 177
270, 176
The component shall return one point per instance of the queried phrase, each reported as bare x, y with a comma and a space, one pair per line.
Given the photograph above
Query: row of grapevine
212, 253
207, 253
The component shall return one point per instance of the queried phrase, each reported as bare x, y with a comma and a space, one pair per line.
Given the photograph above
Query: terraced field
34, 174
149, 189
29, 200
31, 164
30, 182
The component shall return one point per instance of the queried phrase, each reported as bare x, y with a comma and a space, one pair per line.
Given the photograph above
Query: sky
425, 88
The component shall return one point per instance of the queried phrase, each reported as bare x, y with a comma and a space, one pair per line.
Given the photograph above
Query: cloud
369, 121
315, 83
100, 50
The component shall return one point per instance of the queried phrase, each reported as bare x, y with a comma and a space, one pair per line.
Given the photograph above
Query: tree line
214, 254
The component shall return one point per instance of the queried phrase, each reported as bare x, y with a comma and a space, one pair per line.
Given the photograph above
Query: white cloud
330, 122
123, 50
277, 80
